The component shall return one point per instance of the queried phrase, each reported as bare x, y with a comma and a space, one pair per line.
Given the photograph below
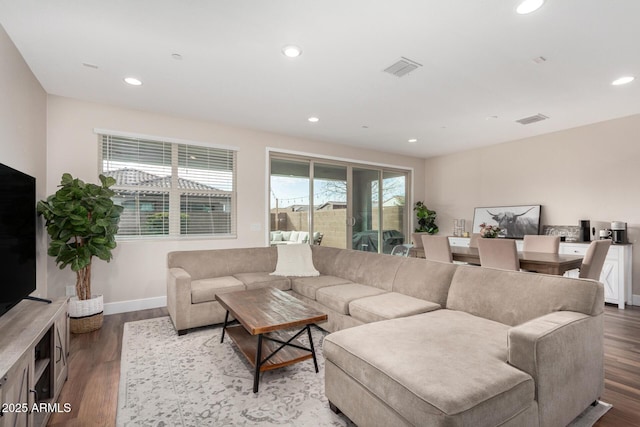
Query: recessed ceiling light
313, 119
413, 140
133, 81
528, 6
623, 80
291, 51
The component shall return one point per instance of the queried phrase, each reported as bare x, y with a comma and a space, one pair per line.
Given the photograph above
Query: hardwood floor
94, 374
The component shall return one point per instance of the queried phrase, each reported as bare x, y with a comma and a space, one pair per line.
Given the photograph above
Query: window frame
174, 194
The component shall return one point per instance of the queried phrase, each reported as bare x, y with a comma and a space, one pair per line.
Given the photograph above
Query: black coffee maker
585, 230
618, 232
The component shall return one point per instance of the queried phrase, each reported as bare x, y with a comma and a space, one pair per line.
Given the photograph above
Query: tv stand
30, 298
34, 352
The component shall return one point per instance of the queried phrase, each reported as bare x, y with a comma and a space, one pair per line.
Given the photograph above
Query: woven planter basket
85, 315
82, 325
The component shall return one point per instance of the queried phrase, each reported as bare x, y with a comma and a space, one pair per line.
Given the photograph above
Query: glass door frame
349, 165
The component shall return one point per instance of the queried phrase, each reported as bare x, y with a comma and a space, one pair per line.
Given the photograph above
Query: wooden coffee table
263, 314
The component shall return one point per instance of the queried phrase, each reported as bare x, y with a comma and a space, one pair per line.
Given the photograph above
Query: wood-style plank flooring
92, 387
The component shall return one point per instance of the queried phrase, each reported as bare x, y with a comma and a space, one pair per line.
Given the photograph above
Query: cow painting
515, 221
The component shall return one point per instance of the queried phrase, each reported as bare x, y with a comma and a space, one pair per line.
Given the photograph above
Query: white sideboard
616, 272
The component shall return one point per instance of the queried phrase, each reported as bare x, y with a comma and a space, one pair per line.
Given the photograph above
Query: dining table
538, 262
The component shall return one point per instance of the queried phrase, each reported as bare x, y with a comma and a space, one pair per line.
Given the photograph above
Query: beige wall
138, 269
591, 172
23, 123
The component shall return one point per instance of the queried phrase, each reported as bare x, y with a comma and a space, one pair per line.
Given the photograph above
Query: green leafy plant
426, 219
82, 221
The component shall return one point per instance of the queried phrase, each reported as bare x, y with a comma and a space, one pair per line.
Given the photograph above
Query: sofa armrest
564, 353
179, 297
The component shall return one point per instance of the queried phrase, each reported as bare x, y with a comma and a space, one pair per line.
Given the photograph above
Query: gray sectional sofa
417, 342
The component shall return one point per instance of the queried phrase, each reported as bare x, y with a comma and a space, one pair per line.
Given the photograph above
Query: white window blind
169, 188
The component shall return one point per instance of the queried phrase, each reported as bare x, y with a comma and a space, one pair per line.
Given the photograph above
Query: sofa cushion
427, 280
378, 270
205, 290
263, 280
388, 306
324, 259
203, 264
513, 297
338, 297
308, 286
444, 368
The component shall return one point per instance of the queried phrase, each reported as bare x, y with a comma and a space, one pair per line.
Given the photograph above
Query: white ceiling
477, 59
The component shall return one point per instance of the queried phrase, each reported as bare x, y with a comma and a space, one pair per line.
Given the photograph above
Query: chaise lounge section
418, 342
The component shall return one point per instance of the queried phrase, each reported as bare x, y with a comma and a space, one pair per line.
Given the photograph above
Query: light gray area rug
193, 380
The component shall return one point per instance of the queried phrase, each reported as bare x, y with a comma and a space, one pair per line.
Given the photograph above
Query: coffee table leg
256, 374
224, 327
313, 351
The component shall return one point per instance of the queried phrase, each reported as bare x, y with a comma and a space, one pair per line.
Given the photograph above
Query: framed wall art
515, 221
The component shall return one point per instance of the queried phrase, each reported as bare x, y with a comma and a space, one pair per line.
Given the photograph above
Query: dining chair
498, 253
473, 241
538, 243
594, 259
437, 248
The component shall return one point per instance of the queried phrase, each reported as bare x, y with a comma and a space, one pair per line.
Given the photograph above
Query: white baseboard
635, 300
134, 305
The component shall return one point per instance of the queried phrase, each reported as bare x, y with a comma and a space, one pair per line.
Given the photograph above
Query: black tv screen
17, 236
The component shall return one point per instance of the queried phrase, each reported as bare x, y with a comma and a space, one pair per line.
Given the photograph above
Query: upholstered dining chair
436, 248
498, 253
537, 243
594, 259
473, 241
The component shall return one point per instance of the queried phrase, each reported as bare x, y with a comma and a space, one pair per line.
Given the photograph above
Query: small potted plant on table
82, 221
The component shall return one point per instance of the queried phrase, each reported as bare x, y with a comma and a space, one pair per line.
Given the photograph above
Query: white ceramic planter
83, 308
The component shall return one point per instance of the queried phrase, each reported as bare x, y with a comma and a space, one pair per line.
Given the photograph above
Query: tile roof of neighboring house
129, 176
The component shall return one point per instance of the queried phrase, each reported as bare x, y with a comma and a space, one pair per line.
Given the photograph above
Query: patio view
337, 205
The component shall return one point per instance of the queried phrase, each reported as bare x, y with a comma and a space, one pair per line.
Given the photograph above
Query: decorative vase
85, 315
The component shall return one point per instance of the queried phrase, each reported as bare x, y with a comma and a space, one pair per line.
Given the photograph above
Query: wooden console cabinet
34, 351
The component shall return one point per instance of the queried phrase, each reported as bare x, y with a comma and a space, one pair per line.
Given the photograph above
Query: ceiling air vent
402, 67
532, 119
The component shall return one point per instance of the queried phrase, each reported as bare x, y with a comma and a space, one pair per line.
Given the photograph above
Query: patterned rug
193, 380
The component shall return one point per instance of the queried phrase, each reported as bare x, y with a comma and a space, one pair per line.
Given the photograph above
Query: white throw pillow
295, 260
294, 236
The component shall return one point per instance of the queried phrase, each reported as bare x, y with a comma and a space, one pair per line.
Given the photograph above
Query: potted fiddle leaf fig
82, 221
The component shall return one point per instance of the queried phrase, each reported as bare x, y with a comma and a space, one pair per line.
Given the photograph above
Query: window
169, 188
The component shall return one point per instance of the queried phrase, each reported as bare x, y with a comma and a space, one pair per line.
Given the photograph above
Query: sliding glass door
337, 204
366, 213
330, 198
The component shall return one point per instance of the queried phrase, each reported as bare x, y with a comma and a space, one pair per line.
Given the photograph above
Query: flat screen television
17, 236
